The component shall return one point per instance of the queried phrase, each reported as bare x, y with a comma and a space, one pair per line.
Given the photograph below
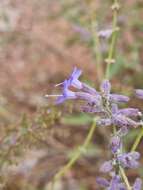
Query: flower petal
106, 166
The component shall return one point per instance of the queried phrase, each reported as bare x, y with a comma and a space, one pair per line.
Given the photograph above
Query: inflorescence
106, 106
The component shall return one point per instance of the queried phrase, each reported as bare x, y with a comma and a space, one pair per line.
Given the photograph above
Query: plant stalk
122, 172
110, 59
137, 141
77, 154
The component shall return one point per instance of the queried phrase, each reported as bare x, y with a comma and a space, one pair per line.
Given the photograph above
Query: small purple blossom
89, 89
129, 160
106, 166
118, 98
137, 184
114, 184
105, 33
129, 112
121, 121
120, 117
73, 79
105, 87
115, 144
102, 182
139, 93
92, 100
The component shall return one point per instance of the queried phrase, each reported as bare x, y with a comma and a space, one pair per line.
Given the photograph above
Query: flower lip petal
76, 73
73, 79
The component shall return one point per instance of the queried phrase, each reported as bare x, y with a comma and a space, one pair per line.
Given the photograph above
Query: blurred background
40, 43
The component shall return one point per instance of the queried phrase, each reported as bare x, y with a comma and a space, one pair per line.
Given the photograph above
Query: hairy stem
77, 154
110, 59
122, 173
137, 141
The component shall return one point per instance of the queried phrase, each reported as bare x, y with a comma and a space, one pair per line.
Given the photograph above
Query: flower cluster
106, 106
103, 103
116, 184
120, 158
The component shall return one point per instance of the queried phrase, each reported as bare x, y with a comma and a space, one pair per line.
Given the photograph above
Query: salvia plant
108, 111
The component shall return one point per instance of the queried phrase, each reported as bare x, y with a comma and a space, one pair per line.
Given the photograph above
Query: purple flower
139, 93
92, 100
67, 94
102, 182
106, 166
120, 116
103, 102
129, 160
73, 79
88, 89
138, 184
115, 144
105, 33
121, 121
117, 98
114, 184
105, 87
129, 112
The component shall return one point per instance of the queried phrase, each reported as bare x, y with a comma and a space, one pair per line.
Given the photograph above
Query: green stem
137, 141
96, 50
122, 172
75, 157
110, 59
